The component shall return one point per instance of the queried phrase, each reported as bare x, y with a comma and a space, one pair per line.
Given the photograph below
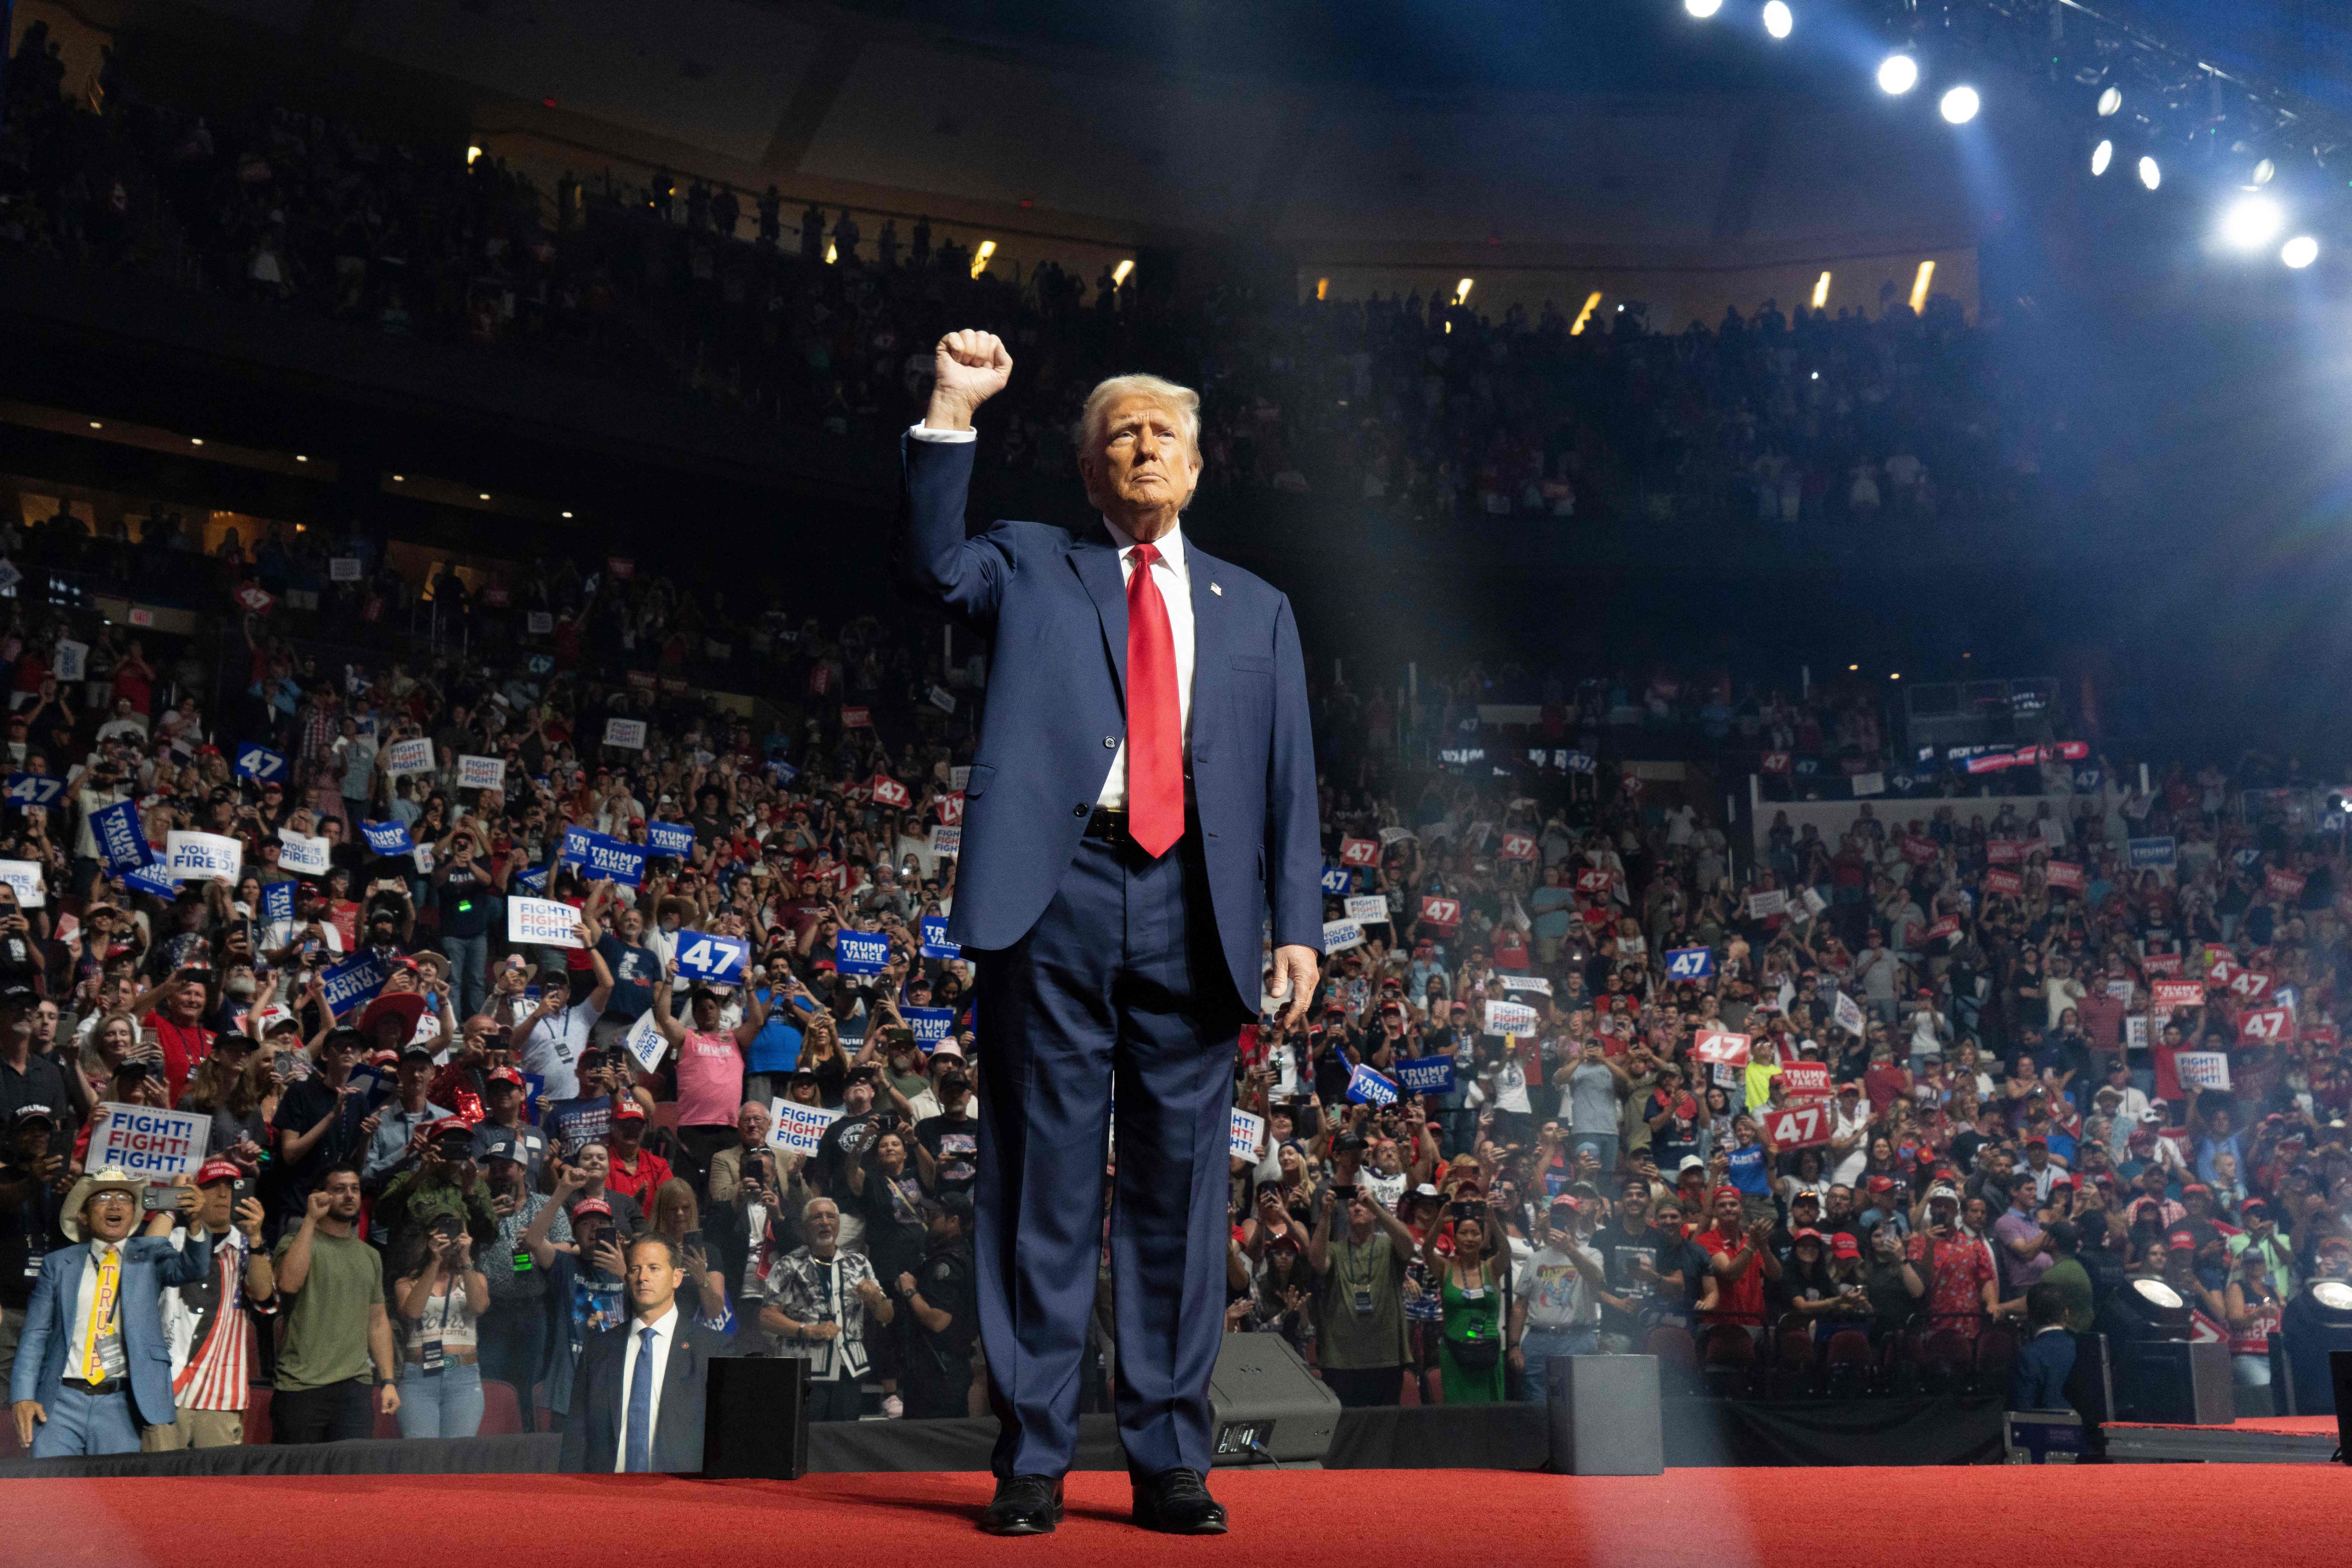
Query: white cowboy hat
108, 1180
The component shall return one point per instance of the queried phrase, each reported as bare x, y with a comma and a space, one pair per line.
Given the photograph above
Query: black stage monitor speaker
2175, 1383
1605, 1416
755, 1420
1264, 1406
2339, 1369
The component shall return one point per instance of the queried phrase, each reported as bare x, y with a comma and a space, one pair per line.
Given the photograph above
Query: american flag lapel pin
1218, 589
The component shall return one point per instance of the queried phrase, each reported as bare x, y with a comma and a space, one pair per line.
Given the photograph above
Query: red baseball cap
1716, 1196
591, 1205
503, 1074
629, 1111
212, 1171
1843, 1245
2182, 1239
1880, 1184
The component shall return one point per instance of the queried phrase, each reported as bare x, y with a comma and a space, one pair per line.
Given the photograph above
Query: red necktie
1155, 726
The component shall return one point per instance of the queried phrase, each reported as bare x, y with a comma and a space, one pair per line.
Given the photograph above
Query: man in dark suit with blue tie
1143, 792
637, 1399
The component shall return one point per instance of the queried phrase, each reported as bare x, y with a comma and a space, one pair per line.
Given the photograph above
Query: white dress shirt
1175, 585
664, 1330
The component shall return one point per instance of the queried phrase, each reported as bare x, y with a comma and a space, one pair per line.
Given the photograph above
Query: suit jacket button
1110, 743
1079, 809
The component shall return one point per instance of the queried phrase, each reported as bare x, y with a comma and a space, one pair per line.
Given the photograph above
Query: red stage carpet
1687, 1519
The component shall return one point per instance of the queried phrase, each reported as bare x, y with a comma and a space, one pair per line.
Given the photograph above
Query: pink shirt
709, 1079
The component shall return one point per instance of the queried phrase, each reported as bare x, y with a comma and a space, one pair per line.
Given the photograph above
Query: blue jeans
446, 1404
1538, 1346
469, 961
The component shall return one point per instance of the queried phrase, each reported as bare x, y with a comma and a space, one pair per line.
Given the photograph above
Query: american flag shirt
210, 1327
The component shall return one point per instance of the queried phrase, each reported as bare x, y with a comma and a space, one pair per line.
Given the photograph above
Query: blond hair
1182, 401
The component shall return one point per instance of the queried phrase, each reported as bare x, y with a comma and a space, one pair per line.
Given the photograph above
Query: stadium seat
1946, 1359
385, 1426
1792, 1375
1850, 1368
501, 1411
258, 1431
1996, 1349
1677, 1359
1727, 1357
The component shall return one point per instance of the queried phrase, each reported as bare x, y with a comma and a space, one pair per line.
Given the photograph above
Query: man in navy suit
94, 1365
1143, 792
638, 1399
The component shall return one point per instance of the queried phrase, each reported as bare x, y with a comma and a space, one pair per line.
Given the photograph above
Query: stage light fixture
2110, 100
1126, 265
2265, 171
1778, 20
2251, 222
1961, 105
473, 156
2150, 175
1584, 317
2299, 252
567, 514
2100, 156
1462, 291
979, 258
1897, 74
1920, 283
1822, 292
1701, 9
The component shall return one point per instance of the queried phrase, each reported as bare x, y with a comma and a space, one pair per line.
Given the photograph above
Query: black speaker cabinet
2175, 1383
2339, 1372
1266, 1407
755, 1422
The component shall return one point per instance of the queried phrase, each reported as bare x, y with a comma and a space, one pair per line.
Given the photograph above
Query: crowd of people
1414, 408
463, 983
1583, 1070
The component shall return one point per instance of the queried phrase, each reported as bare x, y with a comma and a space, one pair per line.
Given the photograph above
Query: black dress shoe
1177, 1503
1024, 1505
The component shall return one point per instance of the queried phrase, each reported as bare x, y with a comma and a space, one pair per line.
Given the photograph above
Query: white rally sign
542, 922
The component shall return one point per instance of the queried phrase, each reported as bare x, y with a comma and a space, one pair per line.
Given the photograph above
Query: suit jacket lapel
1208, 630
1096, 561
678, 1375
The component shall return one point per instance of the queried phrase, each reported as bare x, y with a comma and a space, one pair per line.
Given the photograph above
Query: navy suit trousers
1119, 995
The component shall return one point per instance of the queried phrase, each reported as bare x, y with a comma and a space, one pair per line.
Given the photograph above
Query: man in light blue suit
94, 1365
1143, 793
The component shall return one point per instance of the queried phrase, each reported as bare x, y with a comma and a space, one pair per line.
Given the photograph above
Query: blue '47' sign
1690, 963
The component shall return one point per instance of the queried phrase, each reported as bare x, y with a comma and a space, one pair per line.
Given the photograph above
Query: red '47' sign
2266, 1026
2245, 985
1518, 847
1360, 852
1592, 881
1445, 913
889, 791
1804, 1125
950, 808
1722, 1047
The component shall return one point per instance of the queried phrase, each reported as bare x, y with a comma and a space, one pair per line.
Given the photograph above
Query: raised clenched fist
968, 368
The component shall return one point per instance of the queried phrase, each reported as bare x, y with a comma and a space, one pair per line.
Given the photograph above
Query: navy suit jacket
1055, 608
150, 1265
592, 1432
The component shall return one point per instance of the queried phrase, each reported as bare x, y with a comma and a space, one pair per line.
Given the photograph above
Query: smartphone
159, 1197
693, 1240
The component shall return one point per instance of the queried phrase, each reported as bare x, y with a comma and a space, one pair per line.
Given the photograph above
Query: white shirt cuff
923, 432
